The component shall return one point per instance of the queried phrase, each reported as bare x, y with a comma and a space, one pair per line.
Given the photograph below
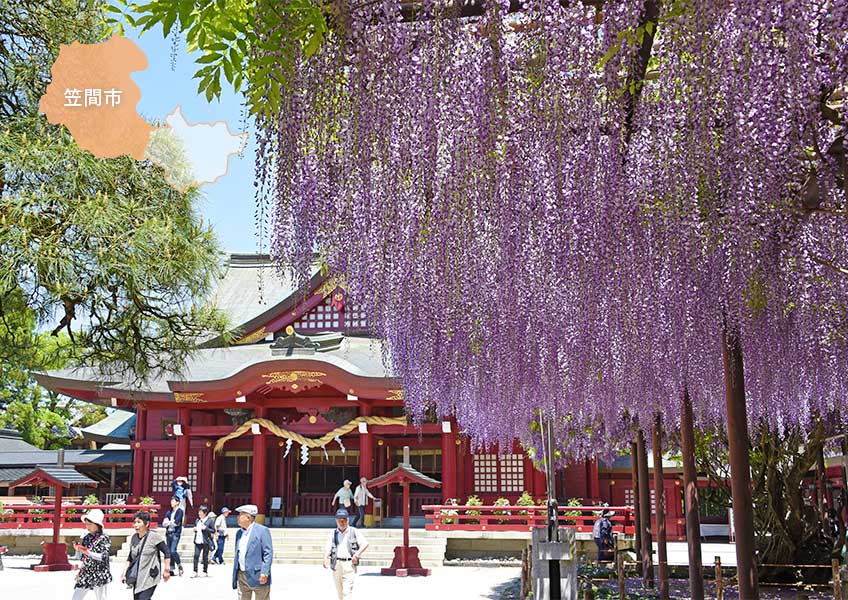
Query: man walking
360, 497
254, 555
221, 531
342, 552
344, 496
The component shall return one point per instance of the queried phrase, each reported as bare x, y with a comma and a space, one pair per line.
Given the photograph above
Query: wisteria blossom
532, 226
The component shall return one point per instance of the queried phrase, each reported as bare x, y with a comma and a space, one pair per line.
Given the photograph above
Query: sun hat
182, 478
95, 515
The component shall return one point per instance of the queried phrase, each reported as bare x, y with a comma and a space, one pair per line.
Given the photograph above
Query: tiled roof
66, 475
72, 457
357, 356
115, 428
13, 474
11, 441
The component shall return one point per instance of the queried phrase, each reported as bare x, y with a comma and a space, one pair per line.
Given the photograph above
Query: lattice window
485, 473
320, 318
355, 318
163, 474
326, 318
629, 499
192, 472
512, 473
498, 474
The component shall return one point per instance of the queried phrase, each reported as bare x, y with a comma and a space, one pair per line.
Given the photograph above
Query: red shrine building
304, 364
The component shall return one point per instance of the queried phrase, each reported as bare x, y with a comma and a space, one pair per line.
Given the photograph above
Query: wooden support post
718, 579
837, 579
821, 471
740, 465
690, 497
634, 478
645, 510
259, 477
659, 490
622, 582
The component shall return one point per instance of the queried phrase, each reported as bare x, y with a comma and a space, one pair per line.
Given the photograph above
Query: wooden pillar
366, 448
449, 476
690, 498
183, 443
740, 467
659, 490
113, 475
260, 465
593, 483
645, 512
637, 512
137, 490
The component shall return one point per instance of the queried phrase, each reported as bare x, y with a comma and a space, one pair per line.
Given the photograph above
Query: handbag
132, 573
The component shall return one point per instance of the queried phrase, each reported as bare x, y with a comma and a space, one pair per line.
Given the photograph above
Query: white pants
99, 593
344, 575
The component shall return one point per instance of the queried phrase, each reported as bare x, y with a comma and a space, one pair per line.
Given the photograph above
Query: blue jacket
257, 558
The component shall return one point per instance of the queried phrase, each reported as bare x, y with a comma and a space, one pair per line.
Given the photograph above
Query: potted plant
572, 513
473, 501
526, 499
502, 502
37, 511
449, 512
148, 501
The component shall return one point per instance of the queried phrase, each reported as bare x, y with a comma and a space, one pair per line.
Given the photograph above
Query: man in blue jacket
254, 555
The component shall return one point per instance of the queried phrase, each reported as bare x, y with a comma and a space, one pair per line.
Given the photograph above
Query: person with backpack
342, 552
173, 524
148, 550
602, 534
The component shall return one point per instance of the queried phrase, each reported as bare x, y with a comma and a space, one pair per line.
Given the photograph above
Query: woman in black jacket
204, 535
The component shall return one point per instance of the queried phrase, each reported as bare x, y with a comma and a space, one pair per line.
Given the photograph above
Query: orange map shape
105, 123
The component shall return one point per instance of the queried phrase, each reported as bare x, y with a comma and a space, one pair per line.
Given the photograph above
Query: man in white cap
341, 554
344, 496
254, 555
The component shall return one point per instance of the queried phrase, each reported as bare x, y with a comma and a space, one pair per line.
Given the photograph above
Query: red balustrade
448, 517
417, 502
41, 516
315, 504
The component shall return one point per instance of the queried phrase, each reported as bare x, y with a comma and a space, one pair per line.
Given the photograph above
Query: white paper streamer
327, 456
304, 455
342, 446
288, 448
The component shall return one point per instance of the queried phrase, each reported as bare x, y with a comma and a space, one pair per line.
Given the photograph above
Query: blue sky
228, 203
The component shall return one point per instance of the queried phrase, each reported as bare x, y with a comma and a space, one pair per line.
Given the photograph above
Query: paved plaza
308, 582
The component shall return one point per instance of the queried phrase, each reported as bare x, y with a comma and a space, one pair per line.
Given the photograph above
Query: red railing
417, 502
315, 504
447, 517
41, 516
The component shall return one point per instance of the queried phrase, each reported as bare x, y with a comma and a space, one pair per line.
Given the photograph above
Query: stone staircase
306, 546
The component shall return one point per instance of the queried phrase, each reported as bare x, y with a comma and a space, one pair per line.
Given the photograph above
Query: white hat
347, 482
182, 478
250, 509
95, 515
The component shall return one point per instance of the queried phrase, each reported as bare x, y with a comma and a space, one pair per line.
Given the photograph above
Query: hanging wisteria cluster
534, 223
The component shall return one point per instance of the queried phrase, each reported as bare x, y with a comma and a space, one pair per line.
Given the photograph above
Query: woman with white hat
94, 575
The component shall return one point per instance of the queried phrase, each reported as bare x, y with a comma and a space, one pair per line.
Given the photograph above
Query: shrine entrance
319, 479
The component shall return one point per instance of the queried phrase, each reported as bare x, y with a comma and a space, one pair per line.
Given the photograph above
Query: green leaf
212, 57
313, 44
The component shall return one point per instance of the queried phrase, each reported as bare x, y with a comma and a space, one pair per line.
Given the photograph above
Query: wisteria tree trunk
780, 471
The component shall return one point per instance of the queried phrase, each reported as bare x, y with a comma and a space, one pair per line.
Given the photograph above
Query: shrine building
301, 367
